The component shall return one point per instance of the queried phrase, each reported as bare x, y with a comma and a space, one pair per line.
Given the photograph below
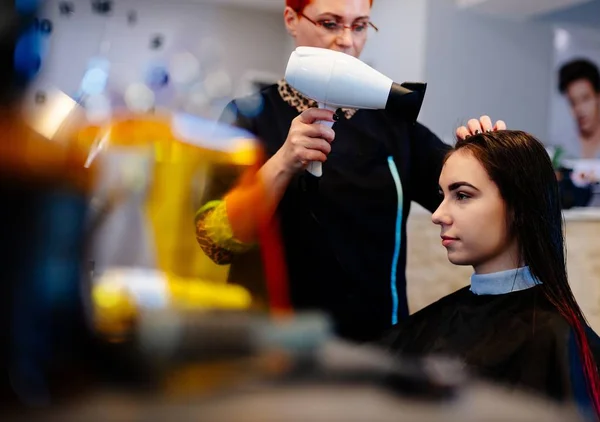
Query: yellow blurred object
121, 293
183, 163
194, 294
155, 171
114, 311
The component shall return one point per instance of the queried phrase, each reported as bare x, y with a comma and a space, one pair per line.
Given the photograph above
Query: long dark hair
521, 168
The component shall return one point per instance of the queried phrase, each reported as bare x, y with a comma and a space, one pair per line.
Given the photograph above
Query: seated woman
518, 322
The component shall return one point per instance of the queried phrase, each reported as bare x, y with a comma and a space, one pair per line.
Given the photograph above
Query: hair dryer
337, 80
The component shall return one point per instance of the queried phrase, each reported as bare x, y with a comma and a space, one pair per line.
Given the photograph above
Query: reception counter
430, 276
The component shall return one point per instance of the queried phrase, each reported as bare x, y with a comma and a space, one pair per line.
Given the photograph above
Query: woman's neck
510, 260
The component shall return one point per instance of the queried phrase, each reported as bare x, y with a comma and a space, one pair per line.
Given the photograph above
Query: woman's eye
461, 196
330, 25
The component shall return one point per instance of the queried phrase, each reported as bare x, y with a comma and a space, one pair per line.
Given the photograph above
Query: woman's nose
441, 216
344, 38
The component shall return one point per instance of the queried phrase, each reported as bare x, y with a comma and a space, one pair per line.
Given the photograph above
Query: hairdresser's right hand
307, 140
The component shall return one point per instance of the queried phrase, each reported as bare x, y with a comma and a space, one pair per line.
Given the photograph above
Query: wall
234, 39
587, 14
398, 50
255, 40
478, 65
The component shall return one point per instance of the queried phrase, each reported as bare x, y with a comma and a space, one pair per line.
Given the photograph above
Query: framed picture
575, 113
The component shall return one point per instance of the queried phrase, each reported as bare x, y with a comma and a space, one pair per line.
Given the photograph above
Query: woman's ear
290, 18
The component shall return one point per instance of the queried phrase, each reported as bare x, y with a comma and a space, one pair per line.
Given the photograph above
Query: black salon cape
517, 339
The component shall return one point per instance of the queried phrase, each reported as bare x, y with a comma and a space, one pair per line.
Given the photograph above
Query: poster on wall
575, 114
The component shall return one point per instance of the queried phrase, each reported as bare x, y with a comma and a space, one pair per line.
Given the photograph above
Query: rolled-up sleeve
215, 235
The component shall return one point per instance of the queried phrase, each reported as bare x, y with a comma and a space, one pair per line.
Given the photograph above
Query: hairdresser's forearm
248, 205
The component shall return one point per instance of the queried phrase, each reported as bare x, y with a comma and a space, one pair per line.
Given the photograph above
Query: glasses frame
343, 26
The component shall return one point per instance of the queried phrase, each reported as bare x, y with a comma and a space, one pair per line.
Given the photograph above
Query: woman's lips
447, 240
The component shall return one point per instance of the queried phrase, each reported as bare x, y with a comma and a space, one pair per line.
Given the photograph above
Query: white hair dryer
337, 80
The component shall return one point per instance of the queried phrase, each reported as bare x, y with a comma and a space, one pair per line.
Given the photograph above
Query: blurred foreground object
54, 115
120, 293
239, 367
44, 192
44, 189
154, 173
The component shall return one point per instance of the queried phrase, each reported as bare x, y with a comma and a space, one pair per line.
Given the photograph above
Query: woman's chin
457, 259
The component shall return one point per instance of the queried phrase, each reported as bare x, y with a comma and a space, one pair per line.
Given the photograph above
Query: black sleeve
427, 157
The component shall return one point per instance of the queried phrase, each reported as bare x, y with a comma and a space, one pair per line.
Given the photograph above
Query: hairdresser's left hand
474, 127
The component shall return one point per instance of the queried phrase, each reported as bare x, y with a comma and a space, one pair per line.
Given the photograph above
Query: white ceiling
501, 8
518, 8
269, 5
510, 8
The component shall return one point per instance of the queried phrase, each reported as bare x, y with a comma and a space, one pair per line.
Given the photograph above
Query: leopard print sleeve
214, 234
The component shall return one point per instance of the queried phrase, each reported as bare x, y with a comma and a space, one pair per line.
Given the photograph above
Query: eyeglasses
335, 28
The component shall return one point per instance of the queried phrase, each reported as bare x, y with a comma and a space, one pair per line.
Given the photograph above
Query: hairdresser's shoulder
425, 141
245, 110
423, 131
258, 102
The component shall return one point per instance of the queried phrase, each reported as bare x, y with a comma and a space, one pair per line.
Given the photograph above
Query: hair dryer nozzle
405, 100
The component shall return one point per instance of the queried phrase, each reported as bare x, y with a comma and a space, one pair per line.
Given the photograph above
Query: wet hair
299, 5
576, 70
522, 169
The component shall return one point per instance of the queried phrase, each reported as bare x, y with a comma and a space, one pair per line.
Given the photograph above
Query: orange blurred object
28, 156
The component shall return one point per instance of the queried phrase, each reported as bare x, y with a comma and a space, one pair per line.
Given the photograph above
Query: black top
519, 339
344, 234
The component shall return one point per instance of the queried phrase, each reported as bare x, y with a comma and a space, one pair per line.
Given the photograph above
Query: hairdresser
344, 234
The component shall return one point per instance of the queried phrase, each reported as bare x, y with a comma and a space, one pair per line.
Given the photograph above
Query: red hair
299, 5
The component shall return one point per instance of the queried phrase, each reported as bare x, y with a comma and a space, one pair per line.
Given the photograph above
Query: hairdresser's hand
307, 140
474, 127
